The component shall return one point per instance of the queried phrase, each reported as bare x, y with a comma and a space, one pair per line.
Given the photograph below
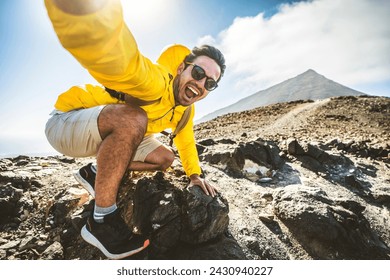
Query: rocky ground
298, 180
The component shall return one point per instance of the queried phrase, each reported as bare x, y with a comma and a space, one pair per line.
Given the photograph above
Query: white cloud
209, 40
346, 40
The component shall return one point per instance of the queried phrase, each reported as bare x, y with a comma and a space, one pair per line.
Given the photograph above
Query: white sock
94, 168
100, 212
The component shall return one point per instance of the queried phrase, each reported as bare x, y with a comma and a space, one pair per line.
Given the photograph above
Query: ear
181, 67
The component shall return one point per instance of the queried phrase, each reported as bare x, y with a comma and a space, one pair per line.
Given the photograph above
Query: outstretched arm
95, 33
96, 37
80, 7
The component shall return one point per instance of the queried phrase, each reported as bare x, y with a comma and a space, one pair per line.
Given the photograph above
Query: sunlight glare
147, 15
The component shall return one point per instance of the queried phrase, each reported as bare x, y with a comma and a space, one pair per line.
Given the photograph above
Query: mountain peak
310, 71
308, 85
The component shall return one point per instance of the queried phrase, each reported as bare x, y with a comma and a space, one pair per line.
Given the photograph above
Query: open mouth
191, 92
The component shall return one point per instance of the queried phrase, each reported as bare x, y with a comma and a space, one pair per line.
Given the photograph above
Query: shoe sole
88, 237
84, 183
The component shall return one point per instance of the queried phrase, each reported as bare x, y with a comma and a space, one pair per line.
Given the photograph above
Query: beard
175, 87
187, 96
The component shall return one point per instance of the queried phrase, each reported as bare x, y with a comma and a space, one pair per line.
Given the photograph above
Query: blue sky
265, 42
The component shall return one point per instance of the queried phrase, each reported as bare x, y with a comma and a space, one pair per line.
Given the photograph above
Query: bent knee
134, 114
122, 117
167, 161
140, 113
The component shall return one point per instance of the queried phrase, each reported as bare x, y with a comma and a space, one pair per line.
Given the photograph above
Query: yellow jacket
104, 45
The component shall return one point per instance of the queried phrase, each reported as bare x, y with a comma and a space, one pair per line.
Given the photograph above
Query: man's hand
208, 189
80, 7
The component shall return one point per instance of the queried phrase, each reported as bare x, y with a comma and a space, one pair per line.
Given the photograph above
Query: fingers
211, 189
206, 187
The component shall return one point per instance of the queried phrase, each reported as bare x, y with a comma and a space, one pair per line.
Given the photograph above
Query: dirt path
295, 119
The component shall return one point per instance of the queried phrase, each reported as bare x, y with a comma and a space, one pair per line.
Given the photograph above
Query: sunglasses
198, 74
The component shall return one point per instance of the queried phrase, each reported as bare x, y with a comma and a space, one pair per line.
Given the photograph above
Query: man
116, 123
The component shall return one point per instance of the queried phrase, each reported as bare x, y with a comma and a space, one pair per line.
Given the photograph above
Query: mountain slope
308, 85
347, 118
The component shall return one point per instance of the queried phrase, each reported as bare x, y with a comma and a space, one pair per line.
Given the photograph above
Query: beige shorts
76, 134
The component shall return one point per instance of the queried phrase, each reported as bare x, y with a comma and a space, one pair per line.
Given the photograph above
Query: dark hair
209, 51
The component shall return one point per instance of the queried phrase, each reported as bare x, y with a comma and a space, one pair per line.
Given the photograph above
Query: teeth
194, 91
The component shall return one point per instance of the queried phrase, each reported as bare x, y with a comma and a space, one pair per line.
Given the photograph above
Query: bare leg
159, 159
122, 128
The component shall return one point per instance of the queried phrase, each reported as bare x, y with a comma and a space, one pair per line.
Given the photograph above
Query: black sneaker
86, 177
113, 237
